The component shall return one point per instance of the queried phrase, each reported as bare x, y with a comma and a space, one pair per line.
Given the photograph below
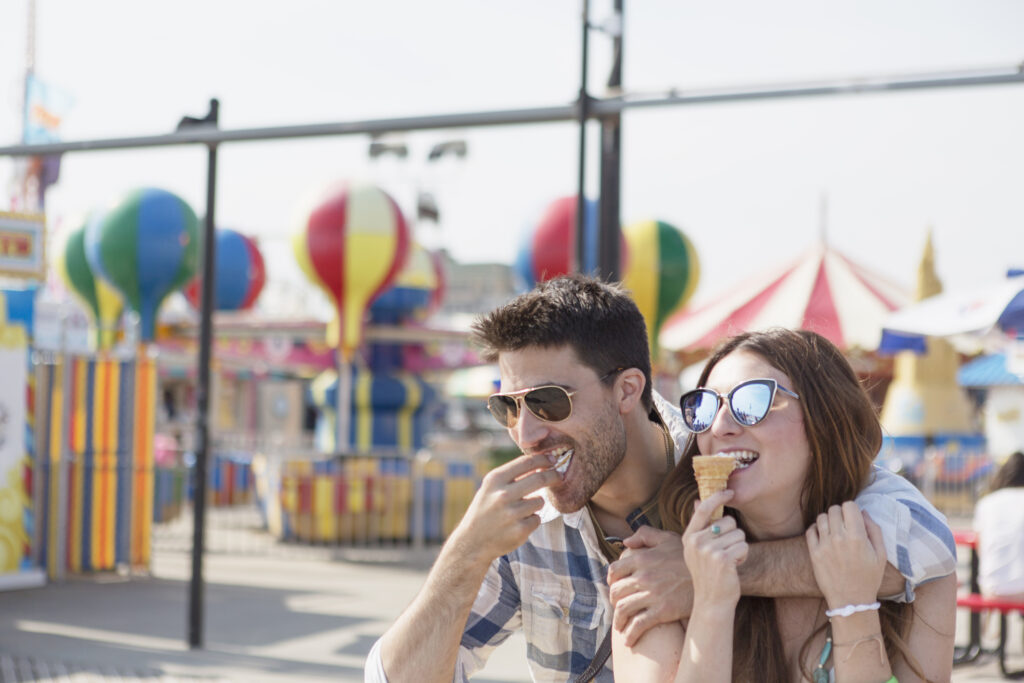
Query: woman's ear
629, 389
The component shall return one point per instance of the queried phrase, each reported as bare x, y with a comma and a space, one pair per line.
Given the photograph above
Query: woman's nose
724, 422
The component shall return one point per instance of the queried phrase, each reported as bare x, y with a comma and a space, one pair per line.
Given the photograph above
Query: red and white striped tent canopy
822, 291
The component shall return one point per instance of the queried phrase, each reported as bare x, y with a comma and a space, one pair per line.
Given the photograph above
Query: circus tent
823, 290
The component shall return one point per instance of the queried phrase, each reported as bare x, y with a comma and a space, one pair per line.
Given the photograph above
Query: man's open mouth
562, 456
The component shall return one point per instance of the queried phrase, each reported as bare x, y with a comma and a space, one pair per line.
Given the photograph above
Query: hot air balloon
241, 273
662, 272
103, 301
550, 249
351, 244
147, 246
412, 291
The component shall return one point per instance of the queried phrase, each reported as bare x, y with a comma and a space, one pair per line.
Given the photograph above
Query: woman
999, 521
789, 409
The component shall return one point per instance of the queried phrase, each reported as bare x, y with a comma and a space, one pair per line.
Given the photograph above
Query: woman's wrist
713, 611
839, 601
855, 626
852, 608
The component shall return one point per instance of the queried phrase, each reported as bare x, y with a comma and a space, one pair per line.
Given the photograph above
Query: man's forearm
782, 569
423, 643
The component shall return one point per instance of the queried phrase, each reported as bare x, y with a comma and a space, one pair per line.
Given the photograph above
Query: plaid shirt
554, 585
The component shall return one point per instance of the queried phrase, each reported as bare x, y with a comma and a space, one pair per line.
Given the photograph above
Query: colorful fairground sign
22, 240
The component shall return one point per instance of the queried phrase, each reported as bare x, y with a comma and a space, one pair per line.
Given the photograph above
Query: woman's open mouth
744, 459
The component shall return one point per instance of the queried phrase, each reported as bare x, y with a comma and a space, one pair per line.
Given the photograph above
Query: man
534, 547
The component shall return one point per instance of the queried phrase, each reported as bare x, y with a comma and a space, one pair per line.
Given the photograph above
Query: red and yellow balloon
352, 244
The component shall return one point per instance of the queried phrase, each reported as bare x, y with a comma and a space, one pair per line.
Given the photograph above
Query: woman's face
767, 490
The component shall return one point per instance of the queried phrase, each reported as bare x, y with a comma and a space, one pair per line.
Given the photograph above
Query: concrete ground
300, 614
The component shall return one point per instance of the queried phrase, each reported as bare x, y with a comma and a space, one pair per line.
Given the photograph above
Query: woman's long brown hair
844, 436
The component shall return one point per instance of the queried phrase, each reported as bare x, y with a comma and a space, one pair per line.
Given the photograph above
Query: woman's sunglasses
550, 403
749, 402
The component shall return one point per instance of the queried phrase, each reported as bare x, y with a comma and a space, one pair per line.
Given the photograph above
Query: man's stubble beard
594, 461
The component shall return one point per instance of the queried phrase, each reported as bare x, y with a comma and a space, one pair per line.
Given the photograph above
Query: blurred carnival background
344, 404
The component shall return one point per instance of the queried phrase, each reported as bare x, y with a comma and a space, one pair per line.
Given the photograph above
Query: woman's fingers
812, 537
702, 512
874, 533
720, 527
836, 523
737, 552
853, 520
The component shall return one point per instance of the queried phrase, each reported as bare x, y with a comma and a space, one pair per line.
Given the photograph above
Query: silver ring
715, 529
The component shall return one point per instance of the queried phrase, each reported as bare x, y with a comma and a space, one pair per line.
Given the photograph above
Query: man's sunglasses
550, 403
749, 402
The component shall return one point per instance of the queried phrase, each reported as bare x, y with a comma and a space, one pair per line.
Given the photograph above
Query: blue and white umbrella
977, 311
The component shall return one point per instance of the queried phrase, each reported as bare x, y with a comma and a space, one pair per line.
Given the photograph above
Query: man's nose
529, 429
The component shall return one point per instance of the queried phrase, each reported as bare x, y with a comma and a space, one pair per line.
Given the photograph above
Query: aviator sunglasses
550, 403
749, 403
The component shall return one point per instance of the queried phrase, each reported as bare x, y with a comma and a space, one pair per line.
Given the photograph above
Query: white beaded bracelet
851, 609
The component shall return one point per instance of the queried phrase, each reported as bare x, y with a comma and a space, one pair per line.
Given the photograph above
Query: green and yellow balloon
102, 300
662, 272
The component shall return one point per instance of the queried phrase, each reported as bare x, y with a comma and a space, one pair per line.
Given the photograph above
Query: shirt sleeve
496, 613
918, 541
373, 671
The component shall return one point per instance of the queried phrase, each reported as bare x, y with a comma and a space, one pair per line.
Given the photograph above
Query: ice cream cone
712, 472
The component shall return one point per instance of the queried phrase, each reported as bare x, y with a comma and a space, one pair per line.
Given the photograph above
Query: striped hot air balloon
352, 244
662, 272
147, 246
412, 291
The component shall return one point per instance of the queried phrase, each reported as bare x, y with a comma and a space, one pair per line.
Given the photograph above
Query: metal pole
598, 108
608, 224
581, 238
343, 403
207, 287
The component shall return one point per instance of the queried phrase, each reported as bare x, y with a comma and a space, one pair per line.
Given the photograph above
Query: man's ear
629, 389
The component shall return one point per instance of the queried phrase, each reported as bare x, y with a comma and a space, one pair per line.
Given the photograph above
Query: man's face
593, 434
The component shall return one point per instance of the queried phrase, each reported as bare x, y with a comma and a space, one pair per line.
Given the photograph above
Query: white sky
742, 180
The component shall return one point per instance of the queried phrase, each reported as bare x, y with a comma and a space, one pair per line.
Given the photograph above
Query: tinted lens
699, 409
551, 404
504, 410
750, 403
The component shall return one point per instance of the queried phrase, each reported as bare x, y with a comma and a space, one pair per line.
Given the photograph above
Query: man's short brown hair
598, 320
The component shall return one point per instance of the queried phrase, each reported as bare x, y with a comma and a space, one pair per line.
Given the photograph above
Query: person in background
999, 521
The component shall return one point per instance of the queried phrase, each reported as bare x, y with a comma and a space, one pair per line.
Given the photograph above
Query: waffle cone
712, 473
